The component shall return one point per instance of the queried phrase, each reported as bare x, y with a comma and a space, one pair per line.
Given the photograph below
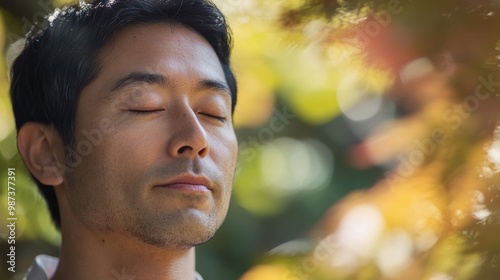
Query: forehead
166, 48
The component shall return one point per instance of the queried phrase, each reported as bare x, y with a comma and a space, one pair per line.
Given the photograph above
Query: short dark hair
61, 57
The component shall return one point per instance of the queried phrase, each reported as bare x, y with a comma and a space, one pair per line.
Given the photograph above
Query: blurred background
368, 137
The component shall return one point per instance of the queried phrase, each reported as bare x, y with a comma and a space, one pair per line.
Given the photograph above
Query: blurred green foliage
434, 213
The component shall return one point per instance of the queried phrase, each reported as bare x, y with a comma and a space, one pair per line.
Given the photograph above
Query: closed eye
221, 119
146, 112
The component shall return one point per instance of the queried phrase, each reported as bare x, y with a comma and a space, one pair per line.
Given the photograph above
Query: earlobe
39, 145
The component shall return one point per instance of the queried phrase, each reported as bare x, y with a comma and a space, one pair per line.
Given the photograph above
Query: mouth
188, 183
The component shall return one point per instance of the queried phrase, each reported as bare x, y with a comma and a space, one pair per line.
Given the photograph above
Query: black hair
61, 57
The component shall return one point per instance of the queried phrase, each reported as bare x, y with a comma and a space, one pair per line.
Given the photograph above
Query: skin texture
133, 136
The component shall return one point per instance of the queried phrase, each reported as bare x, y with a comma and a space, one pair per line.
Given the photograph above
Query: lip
188, 183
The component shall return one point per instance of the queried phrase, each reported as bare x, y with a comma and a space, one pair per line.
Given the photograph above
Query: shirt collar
44, 267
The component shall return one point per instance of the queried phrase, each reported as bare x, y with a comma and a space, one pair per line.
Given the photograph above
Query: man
124, 117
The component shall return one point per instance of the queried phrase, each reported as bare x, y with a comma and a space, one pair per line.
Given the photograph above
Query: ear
40, 147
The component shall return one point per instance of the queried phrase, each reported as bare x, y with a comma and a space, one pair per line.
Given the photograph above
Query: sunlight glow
355, 100
395, 252
357, 237
289, 166
416, 69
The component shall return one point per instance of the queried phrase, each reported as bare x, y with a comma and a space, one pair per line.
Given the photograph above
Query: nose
189, 139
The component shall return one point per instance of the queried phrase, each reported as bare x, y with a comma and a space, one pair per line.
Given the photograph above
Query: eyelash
151, 112
221, 119
145, 112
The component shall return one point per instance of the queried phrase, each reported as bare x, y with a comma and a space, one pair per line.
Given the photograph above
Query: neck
87, 254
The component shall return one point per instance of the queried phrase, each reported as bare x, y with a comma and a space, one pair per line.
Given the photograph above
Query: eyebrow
214, 85
139, 77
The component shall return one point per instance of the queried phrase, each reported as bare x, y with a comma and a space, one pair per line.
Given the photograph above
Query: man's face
163, 93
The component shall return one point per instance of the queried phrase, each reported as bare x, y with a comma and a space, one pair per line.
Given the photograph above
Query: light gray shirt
44, 267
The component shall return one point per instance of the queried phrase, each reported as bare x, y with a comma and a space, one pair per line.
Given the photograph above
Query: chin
181, 230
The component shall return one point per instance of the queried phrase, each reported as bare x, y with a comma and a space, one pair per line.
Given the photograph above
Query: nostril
183, 149
189, 150
203, 152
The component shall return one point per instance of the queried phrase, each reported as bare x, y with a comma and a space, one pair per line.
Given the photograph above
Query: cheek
225, 151
110, 174
118, 154
136, 142
125, 159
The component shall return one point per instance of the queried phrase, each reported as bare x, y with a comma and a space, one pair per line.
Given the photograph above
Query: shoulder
197, 276
43, 268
